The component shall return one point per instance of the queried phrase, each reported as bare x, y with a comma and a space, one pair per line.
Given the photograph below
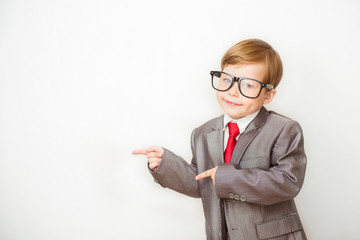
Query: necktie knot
233, 129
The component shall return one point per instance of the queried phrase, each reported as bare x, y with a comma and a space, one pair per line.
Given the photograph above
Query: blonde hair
255, 51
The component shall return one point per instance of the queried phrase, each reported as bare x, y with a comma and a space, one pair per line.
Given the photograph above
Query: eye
227, 80
247, 84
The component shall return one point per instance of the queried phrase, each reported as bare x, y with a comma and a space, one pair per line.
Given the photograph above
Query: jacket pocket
277, 227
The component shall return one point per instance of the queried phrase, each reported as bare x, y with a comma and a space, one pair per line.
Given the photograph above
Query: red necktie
233, 132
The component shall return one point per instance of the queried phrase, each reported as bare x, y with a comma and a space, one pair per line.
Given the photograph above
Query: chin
232, 111
234, 115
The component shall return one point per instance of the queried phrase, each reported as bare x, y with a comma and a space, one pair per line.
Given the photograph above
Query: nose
234, 90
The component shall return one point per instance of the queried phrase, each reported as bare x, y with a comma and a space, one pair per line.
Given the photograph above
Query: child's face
236, 105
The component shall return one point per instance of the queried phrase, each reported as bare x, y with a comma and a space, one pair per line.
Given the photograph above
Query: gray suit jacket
253, 195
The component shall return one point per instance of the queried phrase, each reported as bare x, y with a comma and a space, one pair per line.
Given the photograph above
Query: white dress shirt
242, 124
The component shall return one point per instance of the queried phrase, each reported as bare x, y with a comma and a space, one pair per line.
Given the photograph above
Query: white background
83, 83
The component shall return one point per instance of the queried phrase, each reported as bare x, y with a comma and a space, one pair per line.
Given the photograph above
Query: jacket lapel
241, 145
250, 133
215, 141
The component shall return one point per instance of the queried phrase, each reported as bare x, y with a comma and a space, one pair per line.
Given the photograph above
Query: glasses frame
238, 80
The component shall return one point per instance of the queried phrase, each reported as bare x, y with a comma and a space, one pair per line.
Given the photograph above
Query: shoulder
276, 120
279, 118
215, 124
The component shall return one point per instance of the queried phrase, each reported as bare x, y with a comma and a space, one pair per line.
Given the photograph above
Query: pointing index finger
203, 175
139, 151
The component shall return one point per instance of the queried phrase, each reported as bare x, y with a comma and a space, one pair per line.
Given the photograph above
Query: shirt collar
242, 122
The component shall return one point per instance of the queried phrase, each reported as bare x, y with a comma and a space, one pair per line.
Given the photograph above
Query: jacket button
237, 198
231, 195
242, 198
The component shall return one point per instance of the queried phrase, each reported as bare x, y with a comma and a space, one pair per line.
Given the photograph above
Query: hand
154, 155
208, 173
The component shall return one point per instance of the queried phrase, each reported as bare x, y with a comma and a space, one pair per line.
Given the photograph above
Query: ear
269, 96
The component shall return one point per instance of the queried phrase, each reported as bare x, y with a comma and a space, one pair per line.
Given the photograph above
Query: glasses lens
221, 81
250, 88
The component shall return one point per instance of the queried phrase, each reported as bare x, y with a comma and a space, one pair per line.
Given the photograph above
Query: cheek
218, 95
251, 103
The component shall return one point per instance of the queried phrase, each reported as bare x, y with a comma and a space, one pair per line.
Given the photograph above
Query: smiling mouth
231, 103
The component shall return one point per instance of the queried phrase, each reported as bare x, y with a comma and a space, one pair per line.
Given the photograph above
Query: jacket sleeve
281, 182
177, 174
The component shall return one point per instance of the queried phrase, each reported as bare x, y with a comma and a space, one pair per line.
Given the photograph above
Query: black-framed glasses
248, 87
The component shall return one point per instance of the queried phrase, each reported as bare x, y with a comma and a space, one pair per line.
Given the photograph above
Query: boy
247, 164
